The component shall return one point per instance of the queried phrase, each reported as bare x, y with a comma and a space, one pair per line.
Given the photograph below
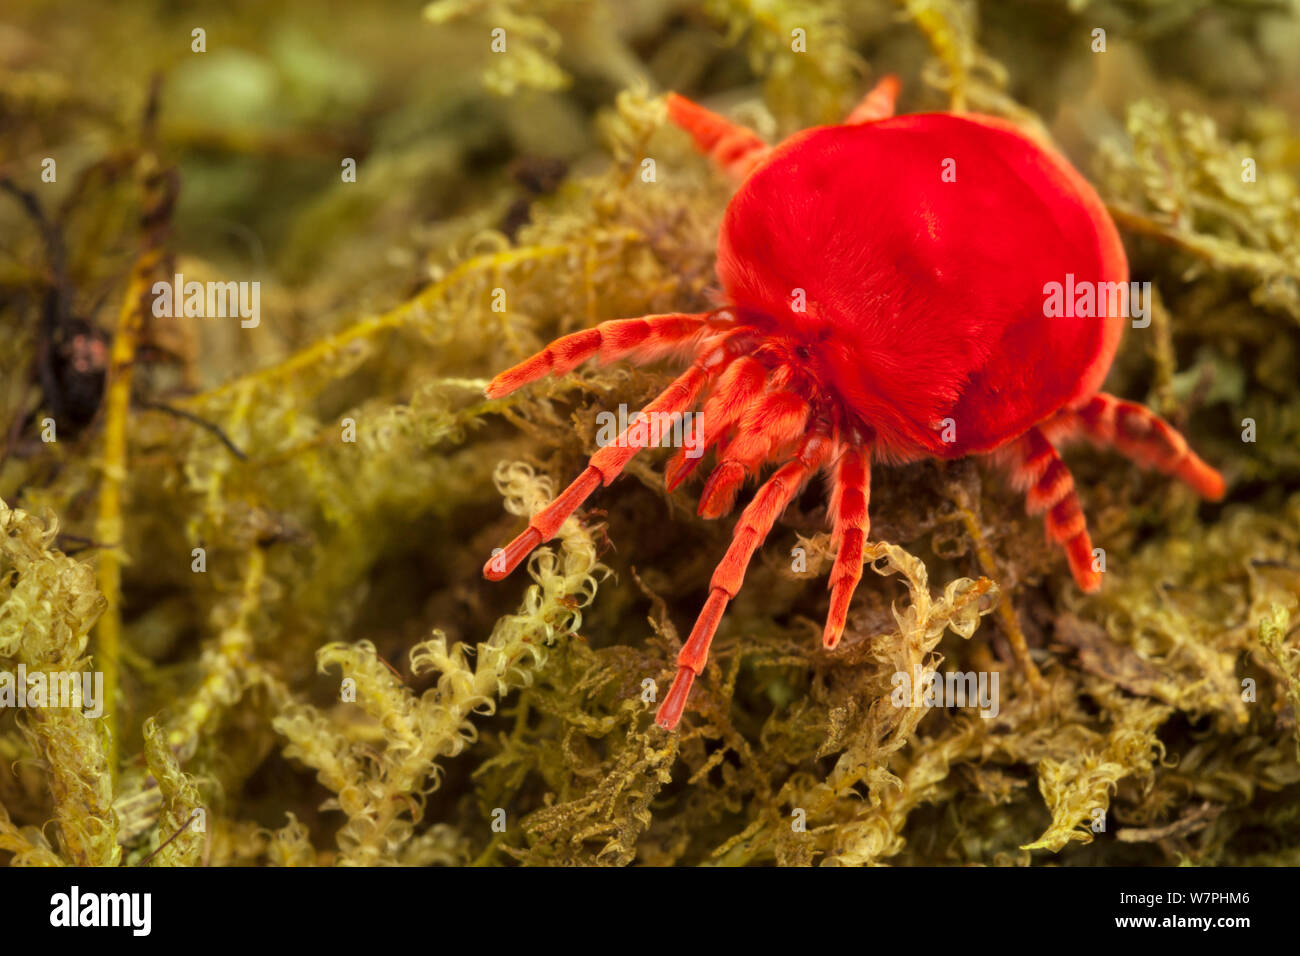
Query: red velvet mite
885, 285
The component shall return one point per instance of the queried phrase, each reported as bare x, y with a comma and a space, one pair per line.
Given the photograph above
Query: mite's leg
876, 105
1037, 468
772, 421
645, 339
1140, 434
735, 148
608, 462
742, 383
754, 524
849, 501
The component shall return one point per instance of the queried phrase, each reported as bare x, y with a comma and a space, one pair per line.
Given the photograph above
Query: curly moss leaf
524, 48
48, 601
1273, 633
1180, 182
612, 815
380, 786
1078, 790
27, 844
291, 845
180, 835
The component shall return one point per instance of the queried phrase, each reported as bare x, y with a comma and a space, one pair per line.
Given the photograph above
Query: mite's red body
924, 293
886, 287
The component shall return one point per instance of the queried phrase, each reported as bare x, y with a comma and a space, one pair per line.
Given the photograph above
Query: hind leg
876, 105
1141, 435
1037, 468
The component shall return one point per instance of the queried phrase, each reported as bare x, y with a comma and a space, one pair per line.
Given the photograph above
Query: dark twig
162, 846
211, 427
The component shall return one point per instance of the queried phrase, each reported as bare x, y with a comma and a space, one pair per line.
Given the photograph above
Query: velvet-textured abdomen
921, 245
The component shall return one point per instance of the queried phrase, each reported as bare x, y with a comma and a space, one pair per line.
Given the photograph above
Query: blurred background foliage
332, 569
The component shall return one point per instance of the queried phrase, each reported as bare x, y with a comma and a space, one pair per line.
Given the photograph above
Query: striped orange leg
736, 149
1037, 468
742, 382
772, 421
754, 525
609, 462
1141, 435
849, 500
644, 339
878, 104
